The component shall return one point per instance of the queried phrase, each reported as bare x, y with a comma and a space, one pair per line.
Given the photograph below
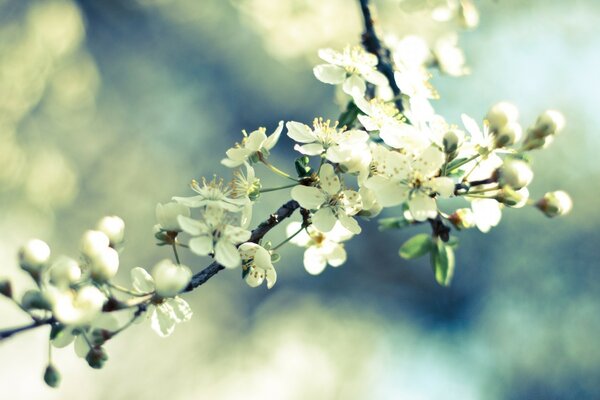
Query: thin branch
258, 233
5, 334
373, 45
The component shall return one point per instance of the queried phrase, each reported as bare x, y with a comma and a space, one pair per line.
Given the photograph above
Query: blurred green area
109, 107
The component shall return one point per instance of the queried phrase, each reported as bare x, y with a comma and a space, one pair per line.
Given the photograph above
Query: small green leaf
275, 257
6, 289
393, 223
442, 262
416, 246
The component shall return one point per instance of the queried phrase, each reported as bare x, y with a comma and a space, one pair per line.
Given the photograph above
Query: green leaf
452, 242
416, 246
393, 223
442, 262
349, 115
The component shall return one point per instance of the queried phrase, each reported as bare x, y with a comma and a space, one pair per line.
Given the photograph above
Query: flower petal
299, 132
227, 254
355, 86
311, 149
422, 207
330, 74
350, 223
181, 309
329, 180
314, 261
337, 256
443, 185
162, 320
324, 219
201, 245
272, 140
309, 197
141, 280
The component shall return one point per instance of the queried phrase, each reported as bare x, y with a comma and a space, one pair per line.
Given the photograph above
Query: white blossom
82, 334
256, 261
322, 248
93, 243
213, 235
413, 180
330, 202
555, 204
252, 144
351, 68
212, 193
164, 313
64, 272
75, 307
105, 264
324, 138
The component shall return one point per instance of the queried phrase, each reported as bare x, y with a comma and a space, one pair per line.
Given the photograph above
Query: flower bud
113, 227
64, 272
51, 376
170, 279
166, 215
77, 308
549, 123
93, 243
508, 134
34, 255
96, 357
501, 114
105, 265
463, 218
555, 204
513, 198
515, 173
452, 140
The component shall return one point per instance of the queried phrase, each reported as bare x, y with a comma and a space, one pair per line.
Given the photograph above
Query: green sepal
393, 223
56, 330
302, 165
51, 376
457, 161
417, 246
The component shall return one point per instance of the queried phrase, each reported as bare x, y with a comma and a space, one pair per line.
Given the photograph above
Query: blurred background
109, 107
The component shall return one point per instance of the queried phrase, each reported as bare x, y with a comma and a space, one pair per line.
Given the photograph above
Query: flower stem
125, 290
174, 246
288, 238
278, 188
275, 169
460, 164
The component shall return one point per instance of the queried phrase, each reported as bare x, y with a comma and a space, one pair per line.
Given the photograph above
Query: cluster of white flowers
390, 153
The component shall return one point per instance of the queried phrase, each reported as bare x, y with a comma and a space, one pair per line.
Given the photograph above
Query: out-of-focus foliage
109, 107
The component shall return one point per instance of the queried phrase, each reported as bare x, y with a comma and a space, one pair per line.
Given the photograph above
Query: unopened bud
550, 122
113, 227
64, 272
502, 114
105, 265
515, 173
34, 255
166, 215
96, 357
463, 218
555, 204
513, 198
51, 376
452, 140
93, 243
508, 134
170, 279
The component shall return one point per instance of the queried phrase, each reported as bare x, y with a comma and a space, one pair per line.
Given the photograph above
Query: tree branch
5, 334
258, 233
373, 45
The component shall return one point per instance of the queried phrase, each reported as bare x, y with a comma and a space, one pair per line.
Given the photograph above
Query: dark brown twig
373, 45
